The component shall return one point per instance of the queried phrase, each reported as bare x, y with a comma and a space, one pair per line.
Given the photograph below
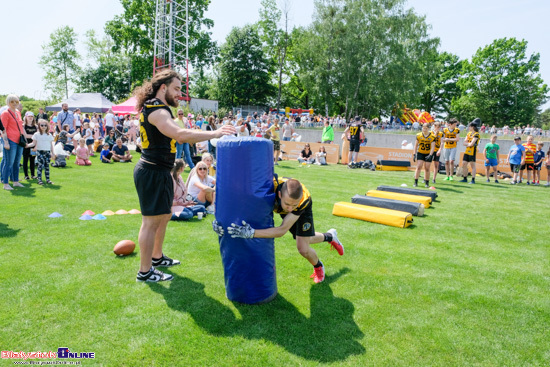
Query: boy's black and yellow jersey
304, 203
425, 143
437, 137
473, 149
156, 147
451, 134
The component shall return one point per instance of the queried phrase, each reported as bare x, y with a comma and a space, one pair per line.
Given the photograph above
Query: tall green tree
60, 61
442, 70
106, 72
277, 39
502, 84
364, 56
244, 76
134, 32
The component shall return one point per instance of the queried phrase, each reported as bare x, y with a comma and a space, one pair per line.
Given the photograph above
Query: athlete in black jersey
293, 202
159, 134
353, 134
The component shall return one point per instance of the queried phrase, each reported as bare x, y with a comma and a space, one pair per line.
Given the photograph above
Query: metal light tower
172, 39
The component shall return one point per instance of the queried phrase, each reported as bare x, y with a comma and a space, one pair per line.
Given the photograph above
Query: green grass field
467, 284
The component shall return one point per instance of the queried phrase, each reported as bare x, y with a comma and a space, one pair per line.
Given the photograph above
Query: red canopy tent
126, 107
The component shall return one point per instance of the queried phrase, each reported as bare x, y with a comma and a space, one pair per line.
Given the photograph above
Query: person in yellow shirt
449, 153
424, 147
470, 142
276, 139
438, 135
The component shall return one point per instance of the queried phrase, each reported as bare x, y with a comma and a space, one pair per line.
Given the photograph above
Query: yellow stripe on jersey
451, 135
469, 138
425, 143
306, 197
437, 137
143, 133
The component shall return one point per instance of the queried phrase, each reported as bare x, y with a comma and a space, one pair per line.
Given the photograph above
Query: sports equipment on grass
402, 190
134, 211
55, 215
88, 212
108, 212
372, 214
99, 217
426, 201
124, 247
244, 192
121, 212
86, 217
415, 209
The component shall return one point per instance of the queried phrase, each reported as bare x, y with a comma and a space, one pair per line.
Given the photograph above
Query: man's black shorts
422, 157
155, 188
529, 166
468, 158
354, 145
304, 225
435, 157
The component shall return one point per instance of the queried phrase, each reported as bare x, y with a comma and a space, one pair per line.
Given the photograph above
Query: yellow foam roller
426, 200
373, 214
391, 168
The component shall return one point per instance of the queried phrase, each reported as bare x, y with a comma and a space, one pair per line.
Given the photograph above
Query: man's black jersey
156, 147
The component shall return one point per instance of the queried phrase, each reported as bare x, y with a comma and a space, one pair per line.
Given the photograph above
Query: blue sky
463, 27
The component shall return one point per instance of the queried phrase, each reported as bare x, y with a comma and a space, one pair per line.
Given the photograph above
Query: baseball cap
517, 138
29, 113
357, 118
404, 142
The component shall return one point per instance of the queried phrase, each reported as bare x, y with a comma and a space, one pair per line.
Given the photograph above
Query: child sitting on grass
106, 154
82, 154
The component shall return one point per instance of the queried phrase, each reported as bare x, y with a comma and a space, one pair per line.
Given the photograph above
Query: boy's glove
429, 157
244, 231
217, 228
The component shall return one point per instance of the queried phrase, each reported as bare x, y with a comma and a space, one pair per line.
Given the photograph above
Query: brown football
124, 247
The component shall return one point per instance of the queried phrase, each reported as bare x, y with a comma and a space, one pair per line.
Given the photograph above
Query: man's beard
172, 101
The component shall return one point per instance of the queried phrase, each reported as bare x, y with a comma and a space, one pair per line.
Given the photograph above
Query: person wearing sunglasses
306, 155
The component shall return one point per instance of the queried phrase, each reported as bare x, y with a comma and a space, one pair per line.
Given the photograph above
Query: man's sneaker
165, 261
318, 274
472, 182
488, 180
426, 185
447, 178
496, 181
153, 275
463, 180
433, 181
451, 178
415, 185
335, 243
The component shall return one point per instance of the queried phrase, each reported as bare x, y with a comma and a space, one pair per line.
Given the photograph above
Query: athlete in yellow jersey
470, 142
449, 152
424, 147
293, 203
438, 135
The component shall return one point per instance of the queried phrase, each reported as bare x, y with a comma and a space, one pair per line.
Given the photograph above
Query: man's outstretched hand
244, 231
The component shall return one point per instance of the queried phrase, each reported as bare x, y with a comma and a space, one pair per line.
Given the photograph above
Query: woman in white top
201, 186
42, 144
241, 128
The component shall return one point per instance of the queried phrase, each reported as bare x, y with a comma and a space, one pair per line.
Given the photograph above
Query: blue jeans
286, 139
183, 149
189, 212
12, 158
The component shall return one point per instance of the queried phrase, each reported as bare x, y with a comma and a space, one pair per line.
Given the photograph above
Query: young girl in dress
28, 156
82, 154
42, 144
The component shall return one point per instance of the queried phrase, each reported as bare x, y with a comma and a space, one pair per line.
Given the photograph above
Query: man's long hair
149, 89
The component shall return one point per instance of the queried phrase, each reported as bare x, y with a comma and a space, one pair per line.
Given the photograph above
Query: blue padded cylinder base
244, 191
